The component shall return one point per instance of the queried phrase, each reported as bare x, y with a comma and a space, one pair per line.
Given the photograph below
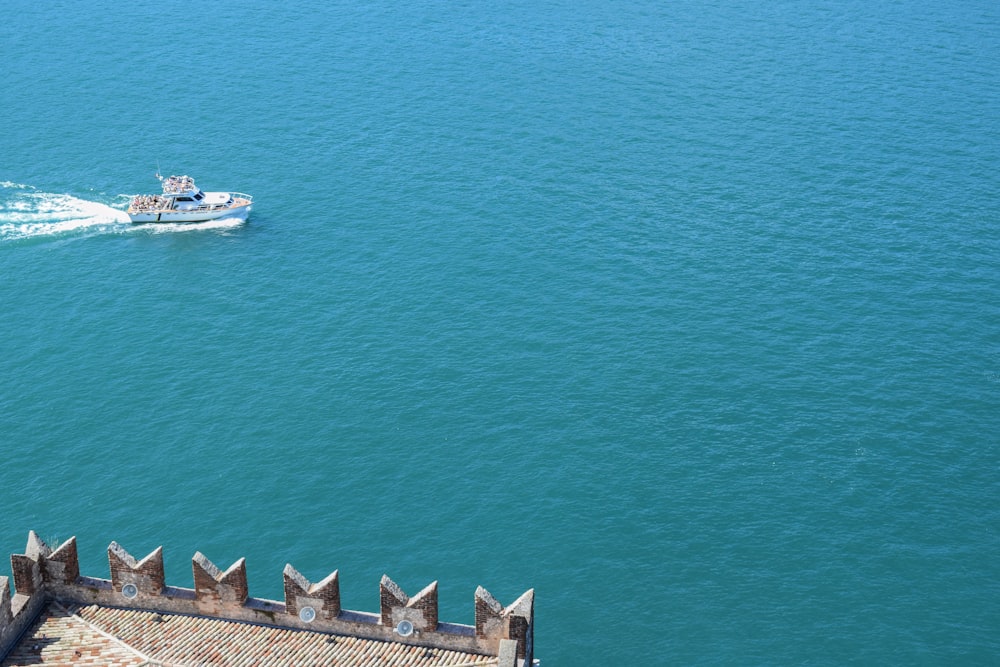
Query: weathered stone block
146, 575
5, 612
323, 596
62, 566
214, 587
507, 655
27, 567
513, 622
489, 615
36, 549
396, 606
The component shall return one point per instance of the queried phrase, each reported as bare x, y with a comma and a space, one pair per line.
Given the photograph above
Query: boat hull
195, 215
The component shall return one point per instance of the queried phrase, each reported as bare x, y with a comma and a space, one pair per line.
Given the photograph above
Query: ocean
684, 314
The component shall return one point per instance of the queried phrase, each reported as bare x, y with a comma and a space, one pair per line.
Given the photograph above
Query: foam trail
169, 227
26, 213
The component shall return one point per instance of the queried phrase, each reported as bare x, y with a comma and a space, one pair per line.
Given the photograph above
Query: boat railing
241, 195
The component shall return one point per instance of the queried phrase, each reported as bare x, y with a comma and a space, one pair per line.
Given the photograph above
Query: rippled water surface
684, 314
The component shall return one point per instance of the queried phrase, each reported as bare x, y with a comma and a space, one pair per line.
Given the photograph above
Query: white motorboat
183, 201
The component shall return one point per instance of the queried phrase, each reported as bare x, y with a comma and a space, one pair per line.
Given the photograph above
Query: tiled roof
99, 635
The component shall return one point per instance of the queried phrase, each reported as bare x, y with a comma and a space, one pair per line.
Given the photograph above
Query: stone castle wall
41, 574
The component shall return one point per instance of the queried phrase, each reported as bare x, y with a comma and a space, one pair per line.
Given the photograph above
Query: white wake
26, 212
170, 227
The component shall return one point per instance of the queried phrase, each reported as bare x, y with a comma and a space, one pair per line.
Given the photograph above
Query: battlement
42, 575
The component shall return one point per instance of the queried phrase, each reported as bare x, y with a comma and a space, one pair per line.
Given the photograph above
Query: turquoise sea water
684, 314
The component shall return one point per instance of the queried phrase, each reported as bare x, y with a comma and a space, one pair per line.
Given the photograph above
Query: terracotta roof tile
92, 634
60, 638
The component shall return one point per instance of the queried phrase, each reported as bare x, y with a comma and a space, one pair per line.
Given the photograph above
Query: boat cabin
187, 196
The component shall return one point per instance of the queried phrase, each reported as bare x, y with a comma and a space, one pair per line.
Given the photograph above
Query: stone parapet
421, 610
323, 598
146, 575
41, 575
